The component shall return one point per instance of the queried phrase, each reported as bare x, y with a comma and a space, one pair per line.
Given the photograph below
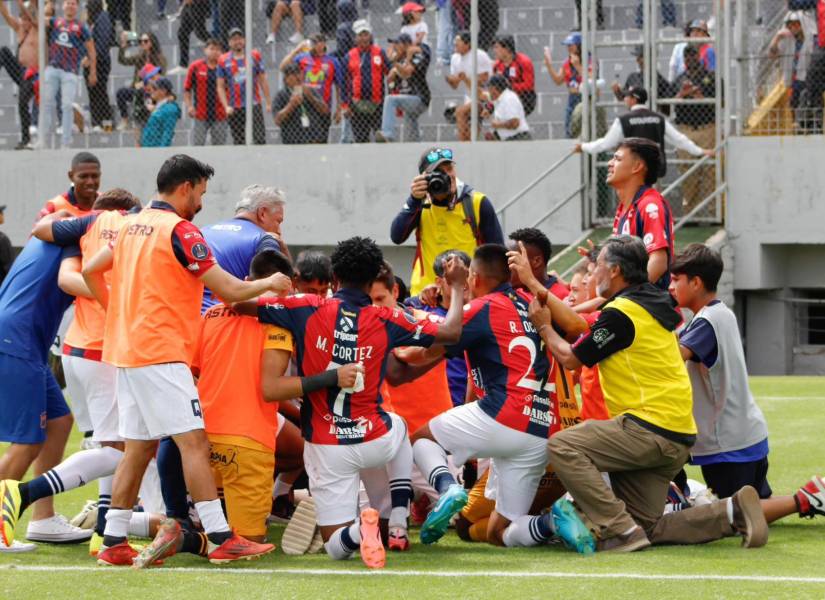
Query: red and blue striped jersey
67, 39
233, 71
508, 362
366, 71
336, 331
202, 81
320, 73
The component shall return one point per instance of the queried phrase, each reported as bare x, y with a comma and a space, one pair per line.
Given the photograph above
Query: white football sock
212, 517
524, 532
431, 458
117, 522
344, 542
82, 467
139, 524
281, 488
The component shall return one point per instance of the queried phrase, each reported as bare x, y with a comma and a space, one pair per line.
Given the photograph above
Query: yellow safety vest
441, 229
648, 379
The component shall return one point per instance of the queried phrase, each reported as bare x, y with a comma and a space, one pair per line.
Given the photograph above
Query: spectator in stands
816, 71
103, 34
641, 122
232, 89
19, 62
517, 68
461, 72
408, 89
6, 250
446, 31
487, 19
412, 15
344, 42
794, 46
697, 29
667, 10
68, 37
698, 122
320, 71
151, 55
193, 17
599, 14
121, 10
507, 117
570, 74
636, 80
200, 96
294, 8
160, 128
300, 111
366, 67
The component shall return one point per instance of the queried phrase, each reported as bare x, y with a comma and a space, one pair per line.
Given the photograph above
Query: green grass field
790, 566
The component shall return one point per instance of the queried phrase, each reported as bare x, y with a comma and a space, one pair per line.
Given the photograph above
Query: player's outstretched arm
70, 280
400, 372
231, 289
93, 273
542, 318
456, 275
43, 228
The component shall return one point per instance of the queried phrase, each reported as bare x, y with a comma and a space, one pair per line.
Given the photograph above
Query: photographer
445, 214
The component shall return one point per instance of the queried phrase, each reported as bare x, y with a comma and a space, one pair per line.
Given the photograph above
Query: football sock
117, 526
281, 487
344, 542
213, 521
195, 542
399, 470
139, 524
104, 500
172, 484
729, 507
528, 531
432, 461
75, 471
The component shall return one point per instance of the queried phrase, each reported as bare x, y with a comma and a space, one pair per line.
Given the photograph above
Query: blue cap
573, 39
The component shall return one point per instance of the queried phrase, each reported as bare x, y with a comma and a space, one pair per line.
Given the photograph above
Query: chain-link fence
781, 55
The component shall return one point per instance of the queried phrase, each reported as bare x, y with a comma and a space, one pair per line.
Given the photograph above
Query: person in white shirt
461, 70
640, 121
507, 119
412, 14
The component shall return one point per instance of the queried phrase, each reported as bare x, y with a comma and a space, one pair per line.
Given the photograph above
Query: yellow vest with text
441, 229
648, 379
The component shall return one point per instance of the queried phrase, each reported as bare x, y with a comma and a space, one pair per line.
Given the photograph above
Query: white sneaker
56, 530
300, 531
270, 39
16, 547
296, 37
176, 71
32, 130
88, 443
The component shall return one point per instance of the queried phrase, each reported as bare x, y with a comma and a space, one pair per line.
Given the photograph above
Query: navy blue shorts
29, 397
725, 479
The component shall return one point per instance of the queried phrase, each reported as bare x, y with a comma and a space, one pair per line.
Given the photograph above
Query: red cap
411, 7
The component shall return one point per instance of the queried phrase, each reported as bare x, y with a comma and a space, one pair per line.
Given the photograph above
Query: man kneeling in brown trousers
647, 391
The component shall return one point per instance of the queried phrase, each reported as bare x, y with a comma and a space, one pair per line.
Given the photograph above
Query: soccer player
160, 264
81, 195
539, 251
35, 418
313, 273
348, 433
642, 211
732, 443
512, 420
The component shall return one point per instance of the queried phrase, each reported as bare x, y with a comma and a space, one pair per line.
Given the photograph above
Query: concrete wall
333, 191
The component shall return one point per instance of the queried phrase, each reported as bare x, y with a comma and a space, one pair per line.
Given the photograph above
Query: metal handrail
692, 170
534, 183
558, 205
685, 218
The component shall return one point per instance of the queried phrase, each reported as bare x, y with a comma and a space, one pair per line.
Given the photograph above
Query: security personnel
460, 218
641, 122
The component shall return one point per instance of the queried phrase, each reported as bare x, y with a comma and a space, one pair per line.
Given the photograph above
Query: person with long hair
150, 54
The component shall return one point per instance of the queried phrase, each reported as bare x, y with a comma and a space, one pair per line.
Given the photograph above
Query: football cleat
317, 544
449, 504
163, 546
237, 548
810, 498
9, 509
398, 540
571, 529
419, 509
372, 550
120, 555
95, 544
87, 517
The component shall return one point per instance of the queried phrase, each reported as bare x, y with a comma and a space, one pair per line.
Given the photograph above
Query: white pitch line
790, 397
390, 573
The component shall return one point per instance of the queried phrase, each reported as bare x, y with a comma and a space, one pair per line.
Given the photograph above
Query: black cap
2, 208
234, 31
403, 38
639, 93
434, 157
638, 51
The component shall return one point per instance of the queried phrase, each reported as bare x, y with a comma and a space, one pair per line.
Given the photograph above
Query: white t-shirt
463, 63
507, 107
415, 29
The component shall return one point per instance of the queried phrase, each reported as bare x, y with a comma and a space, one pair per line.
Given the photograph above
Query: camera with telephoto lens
438, 183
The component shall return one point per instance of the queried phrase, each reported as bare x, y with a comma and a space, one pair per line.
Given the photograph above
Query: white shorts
518, 459
91, 386
157, 401
335, 473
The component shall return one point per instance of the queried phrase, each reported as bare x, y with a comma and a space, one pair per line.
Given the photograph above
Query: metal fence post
249, 82
42, 45
474, 67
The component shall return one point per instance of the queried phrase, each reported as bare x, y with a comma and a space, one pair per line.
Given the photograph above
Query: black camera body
438, 183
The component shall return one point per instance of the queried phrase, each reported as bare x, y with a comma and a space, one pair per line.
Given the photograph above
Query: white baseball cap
361, 25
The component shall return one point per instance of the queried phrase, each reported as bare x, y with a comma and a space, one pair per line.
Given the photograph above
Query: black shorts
725, 479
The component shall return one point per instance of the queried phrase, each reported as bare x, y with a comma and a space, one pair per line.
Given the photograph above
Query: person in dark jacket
103, 35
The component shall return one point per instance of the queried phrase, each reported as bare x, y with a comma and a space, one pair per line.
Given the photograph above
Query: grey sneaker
748, 518
631, 542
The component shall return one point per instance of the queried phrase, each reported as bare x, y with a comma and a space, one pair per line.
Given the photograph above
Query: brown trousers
641, 465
